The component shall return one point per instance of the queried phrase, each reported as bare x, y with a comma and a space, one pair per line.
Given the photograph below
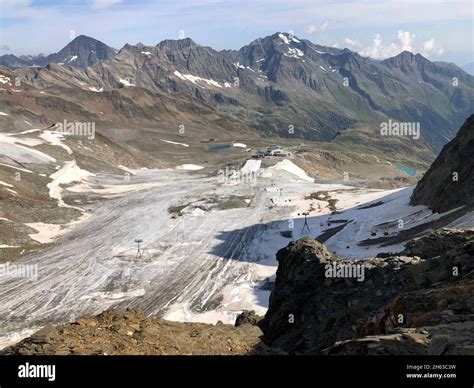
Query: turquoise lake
405, 169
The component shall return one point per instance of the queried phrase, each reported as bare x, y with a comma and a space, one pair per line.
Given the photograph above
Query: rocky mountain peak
176, 44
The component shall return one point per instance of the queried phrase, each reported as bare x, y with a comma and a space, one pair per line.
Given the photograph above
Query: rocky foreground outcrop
401, 305
132, 333
417, 302
449, 182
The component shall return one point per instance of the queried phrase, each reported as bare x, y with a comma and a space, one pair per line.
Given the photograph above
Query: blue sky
439, 29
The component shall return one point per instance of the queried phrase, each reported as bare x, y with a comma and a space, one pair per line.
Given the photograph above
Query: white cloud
405, 42
429, 44
312, 28
405, 39
352, 43
379, 50
104, 3
430, 47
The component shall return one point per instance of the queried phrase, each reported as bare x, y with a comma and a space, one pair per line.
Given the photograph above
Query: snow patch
238, 65
4, 79
69, 173
251, 166
294, 53
284, 38
292, 168
195, 79
45, 232
15, 148
55, 139
288, 40
126, 82
189, 167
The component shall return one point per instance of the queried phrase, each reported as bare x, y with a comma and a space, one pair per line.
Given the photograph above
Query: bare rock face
449, 183
401, 305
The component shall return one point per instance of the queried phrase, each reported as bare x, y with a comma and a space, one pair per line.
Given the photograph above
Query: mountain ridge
280, 80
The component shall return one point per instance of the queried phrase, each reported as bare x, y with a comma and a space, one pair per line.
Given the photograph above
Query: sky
441, 30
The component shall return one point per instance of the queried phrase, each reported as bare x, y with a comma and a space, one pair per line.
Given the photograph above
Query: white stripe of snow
29, 131
189, 167
126, 169
194, 79
173, 142
17, 168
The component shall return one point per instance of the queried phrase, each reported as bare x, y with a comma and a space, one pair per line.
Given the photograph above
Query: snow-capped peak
284, 38
288, 39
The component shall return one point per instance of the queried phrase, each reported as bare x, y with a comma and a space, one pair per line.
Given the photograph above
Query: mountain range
278, 85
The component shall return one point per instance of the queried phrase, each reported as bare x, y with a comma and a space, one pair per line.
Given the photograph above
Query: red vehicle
373, 233
385, 232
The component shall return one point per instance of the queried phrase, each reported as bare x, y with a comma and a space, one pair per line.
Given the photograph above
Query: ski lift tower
305, 223
139, 252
